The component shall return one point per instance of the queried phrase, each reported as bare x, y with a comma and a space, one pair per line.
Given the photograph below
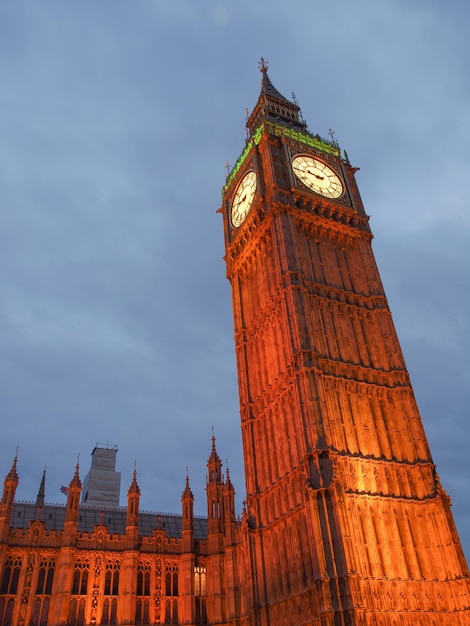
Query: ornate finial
294, 99
263, 65
76, 476
332, 135
13, 473
227, 167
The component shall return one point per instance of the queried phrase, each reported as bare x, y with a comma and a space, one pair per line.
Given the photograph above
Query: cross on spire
263, 65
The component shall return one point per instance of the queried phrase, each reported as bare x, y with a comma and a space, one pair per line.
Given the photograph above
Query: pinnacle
134, 488
214, 457
187, 493
42, 490
13, 474
76, 482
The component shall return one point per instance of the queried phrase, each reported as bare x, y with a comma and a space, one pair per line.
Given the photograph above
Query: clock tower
346, 522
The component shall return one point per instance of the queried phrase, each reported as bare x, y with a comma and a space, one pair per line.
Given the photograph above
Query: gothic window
11, 574
171, 581
143, 579
200, 580
201, 611
6, 610
200, 593
109, 611
46, 576
80, 577
171, 612
105, 615
76, 612
40, 611
111, 580
142, 611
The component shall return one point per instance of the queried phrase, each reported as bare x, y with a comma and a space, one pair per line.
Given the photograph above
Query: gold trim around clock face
317, 176
243, 199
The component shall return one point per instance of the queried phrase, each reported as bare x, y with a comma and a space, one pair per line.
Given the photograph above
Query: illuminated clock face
317, 176
243, 199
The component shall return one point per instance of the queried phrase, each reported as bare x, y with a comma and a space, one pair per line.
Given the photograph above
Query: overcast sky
117, 119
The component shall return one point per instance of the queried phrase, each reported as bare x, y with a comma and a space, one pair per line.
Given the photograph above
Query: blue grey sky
117, 119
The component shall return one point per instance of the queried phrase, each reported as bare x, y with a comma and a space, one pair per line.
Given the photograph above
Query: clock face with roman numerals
317, 176
243, 199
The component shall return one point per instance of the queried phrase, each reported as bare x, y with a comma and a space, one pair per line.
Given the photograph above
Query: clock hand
316, 175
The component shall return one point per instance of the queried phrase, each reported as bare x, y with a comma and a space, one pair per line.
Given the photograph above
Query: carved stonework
345, 519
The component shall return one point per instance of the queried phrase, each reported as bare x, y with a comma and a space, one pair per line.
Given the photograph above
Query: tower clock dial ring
317, 176
243, 199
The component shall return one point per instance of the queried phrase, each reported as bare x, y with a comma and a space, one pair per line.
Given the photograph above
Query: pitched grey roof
53, 515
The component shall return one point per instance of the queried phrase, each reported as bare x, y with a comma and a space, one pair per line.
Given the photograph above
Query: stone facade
348, 522
345, 521
86, 563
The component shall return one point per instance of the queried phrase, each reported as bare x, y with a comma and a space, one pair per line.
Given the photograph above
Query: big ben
346, 522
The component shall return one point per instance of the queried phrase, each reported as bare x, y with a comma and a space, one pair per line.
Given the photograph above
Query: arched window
109, 611
201, 611
11, 574
105, 615
200, 593
76, 612
81, 612
200, 580
111, 580
171, 580
142, 611
46, 576
171, 612
143, 578
80, 577
72, 612
113, 614
40, 611
6, 610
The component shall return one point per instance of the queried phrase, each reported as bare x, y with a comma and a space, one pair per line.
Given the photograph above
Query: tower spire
42, 490
273, 106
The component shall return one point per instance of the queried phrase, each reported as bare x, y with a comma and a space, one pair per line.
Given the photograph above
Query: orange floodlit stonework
345, 521
91, 563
